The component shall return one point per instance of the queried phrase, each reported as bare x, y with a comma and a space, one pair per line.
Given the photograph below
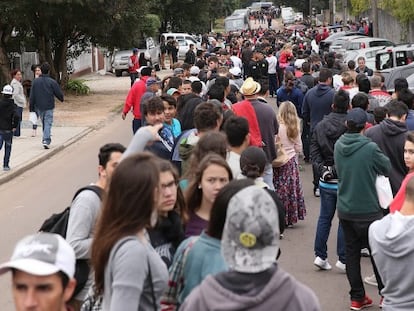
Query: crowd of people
193, 209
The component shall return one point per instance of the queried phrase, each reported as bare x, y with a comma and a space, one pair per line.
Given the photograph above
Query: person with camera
324, 137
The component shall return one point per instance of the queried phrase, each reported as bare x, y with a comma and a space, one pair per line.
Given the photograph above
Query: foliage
403, 10
359, 6
77, 86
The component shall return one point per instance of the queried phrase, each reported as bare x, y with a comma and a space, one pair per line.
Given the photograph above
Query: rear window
381, 43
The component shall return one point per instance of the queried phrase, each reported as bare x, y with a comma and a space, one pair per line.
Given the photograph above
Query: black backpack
58, 223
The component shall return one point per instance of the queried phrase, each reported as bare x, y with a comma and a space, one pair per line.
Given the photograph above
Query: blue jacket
295, 96
317, 103
43, 92
204, 258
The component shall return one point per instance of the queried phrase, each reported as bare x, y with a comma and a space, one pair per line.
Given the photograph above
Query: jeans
133, 76
19, 111
356, 238
326, 214
47, 121
7, 138
272, 84
136, 124
268, 176
305, 139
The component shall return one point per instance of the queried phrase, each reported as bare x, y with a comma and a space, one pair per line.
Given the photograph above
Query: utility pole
374, 8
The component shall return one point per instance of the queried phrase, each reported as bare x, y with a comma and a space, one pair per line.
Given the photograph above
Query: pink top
399, 198
292, 148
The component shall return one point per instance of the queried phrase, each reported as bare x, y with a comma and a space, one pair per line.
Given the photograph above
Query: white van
183, 39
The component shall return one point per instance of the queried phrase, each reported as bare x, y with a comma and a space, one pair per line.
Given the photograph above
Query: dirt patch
107, 97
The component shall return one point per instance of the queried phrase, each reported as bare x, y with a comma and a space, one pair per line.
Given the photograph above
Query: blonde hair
288, 116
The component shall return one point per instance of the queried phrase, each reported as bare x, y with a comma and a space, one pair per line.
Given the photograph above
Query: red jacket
246, 110
133, 99
135, 63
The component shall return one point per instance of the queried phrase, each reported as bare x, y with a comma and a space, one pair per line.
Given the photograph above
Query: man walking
133, 65
133, 100
42, 100
9, 120
85, 209
324, 137
316, 104
43, 268
358, 163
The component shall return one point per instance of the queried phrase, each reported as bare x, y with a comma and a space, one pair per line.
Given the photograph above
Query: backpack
58, 223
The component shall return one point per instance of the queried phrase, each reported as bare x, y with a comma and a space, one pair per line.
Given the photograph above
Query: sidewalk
28, 151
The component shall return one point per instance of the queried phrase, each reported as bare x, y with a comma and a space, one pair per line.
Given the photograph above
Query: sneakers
322, 264
46, 146
341, 266
365, 252
371, 280
6, 168
359, 305
316, 193
381, 301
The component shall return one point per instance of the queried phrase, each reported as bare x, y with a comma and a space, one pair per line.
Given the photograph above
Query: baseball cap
172, 90
7, 89
194, 70
250, 240
178, 71
42, 254
358, 116
235, 71
151, 81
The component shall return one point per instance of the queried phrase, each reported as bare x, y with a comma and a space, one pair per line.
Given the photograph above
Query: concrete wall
390, 28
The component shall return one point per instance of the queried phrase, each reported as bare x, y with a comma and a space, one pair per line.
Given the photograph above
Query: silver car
152, 53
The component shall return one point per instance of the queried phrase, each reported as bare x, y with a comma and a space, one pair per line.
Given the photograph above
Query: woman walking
286, 178
128, 272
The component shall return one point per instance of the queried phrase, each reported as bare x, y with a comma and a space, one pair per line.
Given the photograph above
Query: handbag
281, 156
384, 192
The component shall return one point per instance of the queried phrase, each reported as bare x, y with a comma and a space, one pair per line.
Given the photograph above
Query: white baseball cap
7, 89
42, 254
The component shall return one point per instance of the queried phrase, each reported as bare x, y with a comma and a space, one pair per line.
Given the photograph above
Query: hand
153, 129
123, 116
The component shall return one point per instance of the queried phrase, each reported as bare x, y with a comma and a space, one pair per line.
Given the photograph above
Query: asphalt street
48, 187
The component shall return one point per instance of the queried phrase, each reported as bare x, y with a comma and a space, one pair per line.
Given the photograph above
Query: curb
25, 167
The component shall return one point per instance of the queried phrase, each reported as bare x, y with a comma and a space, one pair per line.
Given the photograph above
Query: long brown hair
127, 208
167, 166
194, 194
210, 142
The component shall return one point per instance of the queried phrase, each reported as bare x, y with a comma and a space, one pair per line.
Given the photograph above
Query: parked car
368, 53
338, 44
184, 40
390, 74
366, 42
325, 44
397, 56
152, 53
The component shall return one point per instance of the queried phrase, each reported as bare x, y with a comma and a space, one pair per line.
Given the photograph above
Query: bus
238, 21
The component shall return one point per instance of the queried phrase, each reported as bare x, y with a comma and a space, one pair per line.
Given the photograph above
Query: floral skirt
287, 184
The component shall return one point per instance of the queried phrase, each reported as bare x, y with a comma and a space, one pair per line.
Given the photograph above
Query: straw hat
250, 87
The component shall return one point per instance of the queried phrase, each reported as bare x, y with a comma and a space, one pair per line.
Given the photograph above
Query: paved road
27, 200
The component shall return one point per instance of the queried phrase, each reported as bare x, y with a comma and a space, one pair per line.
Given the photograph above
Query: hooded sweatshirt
390, 137
273, 289
391, 241
324, 137
317, 103
358, 161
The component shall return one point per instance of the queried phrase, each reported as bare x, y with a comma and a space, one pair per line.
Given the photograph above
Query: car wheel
118, 73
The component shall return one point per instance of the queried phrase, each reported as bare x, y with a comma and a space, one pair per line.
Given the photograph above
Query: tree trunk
5, 32
60, 62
